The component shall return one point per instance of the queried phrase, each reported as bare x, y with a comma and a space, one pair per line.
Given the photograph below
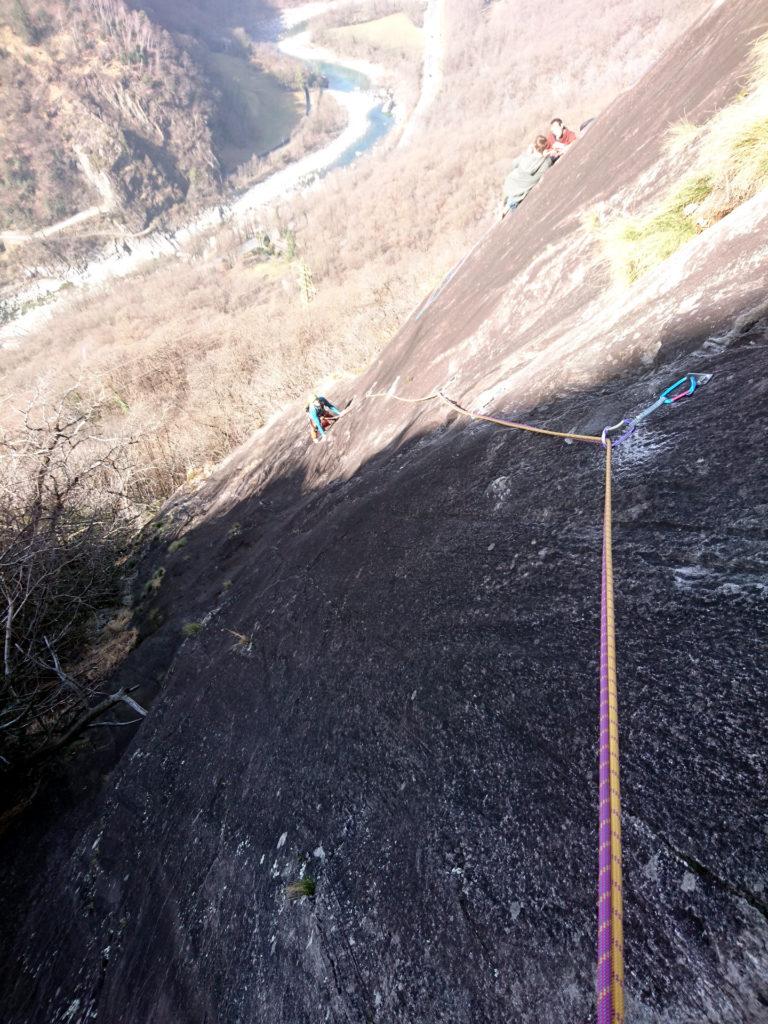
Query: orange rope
591, 439
520, 426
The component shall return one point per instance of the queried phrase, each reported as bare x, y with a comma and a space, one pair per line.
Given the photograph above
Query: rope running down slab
510, 424
610, 927
610, 906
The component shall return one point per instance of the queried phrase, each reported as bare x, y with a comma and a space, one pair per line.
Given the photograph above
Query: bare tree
66, 516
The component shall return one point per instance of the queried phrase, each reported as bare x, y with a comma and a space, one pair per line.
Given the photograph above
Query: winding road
19, 237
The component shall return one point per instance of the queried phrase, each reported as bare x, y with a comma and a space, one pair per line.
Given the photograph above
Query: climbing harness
609, 980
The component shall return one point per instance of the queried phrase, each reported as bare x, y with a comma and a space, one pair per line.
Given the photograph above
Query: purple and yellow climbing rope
610, 911
610, 926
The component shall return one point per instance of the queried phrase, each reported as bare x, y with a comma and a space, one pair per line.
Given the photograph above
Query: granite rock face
394, 689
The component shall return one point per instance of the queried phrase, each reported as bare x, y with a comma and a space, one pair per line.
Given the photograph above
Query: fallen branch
77, 727
113, 725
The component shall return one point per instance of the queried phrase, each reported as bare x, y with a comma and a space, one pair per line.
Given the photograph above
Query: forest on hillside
134, 108
100, 107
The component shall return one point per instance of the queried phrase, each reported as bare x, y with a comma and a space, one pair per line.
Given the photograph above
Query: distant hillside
101, 106
132, 108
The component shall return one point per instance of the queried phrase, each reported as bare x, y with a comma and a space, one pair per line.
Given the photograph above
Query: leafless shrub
67, 509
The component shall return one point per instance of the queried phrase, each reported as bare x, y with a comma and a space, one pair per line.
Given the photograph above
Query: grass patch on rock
728, 164
304, 887
154, 583
634, 245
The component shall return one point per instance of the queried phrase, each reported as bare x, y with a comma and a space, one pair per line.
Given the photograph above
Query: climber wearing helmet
321, 414
559, 138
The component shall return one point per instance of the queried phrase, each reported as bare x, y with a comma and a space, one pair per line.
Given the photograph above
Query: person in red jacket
559, 137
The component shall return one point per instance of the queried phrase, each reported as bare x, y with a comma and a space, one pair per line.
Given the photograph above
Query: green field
396, 32
257, 112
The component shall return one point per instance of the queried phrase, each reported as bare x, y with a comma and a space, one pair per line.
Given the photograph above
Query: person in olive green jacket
526, 171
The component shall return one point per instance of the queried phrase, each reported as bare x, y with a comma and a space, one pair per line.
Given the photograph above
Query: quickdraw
682, 388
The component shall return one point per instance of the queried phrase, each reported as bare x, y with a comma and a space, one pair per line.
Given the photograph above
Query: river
350, 83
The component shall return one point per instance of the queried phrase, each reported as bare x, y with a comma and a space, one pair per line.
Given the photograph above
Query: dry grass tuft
634, 245
730, 165
681, 136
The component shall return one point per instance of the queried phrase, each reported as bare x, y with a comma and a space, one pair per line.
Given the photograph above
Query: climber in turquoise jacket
319, 409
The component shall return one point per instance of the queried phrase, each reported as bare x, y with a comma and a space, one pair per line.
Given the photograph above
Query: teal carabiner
683, 394
667, 397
